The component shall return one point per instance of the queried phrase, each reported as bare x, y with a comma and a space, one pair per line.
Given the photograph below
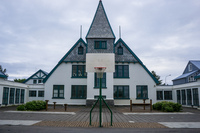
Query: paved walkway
122, 118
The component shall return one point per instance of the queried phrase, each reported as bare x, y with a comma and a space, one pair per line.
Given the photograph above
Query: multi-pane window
168, 95
17, 94
159, 95
32, 93
40, 93
142, 92
22, 96
5, 95
121, 71
195, 96
58, 91
189, 97
121, 92
34, 81
97, 81
12, 95
79, 92
178, 93
100, 45
39, 81
78, 71
183, 97
120, 50
80, 50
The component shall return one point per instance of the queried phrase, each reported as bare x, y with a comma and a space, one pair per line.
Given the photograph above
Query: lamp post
166, 78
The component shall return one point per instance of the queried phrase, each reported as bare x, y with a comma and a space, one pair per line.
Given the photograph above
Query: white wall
11, 84
36, 87
108, 91
62, 76
138, 76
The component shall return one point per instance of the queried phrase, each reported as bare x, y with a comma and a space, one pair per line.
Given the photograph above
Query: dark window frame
168, 95
60, 91
5, 95
120, 50
17, 95
34, 81
12, 96
123, 95
159, 95
97, 81
142, 87
22, 95
76, 73
100, 45
40, 93
80, 50
78, 91
122, 72
32, 93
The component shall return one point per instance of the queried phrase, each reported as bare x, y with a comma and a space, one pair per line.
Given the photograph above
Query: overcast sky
36, 34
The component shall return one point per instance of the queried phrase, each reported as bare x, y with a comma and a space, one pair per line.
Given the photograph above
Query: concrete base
91, 102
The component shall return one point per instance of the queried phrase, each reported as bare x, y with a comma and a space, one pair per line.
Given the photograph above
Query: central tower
100, 53
100, 37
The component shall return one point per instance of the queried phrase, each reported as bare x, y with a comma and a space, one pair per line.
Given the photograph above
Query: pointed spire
100, 27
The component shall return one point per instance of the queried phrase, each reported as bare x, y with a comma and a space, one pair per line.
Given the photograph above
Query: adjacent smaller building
186, 87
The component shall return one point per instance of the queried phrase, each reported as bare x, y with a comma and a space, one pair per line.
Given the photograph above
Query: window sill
142, 98
122, 77
79, 98
78, 77
98, 87
58, 98
121, 98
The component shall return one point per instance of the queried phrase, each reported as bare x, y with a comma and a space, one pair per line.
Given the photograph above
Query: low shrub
167, 106
21, 108
33, 106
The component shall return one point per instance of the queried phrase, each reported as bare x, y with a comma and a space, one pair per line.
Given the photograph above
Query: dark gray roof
185, 75
100, 27
196, 63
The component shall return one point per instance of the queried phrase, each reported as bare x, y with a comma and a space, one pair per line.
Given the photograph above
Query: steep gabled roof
64, 57
2, 75
138, 60
100, 27
196, 63
35, 74
185, 75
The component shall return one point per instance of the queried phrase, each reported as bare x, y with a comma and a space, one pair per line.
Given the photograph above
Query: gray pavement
190, 118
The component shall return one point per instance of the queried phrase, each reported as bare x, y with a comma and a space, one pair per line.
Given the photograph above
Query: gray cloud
36, 34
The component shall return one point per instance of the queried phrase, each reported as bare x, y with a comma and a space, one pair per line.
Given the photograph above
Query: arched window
120, 50
80, 50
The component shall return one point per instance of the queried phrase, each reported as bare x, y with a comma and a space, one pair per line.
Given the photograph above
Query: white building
68, 82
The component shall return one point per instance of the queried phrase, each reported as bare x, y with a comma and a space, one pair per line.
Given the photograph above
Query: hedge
167, 106
32, 106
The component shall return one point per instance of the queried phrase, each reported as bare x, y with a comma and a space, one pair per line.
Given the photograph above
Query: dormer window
120, 50
80, 50
100, 45
190, 67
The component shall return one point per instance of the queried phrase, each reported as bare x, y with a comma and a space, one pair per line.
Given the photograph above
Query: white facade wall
62, 76
180, 87
34, 87
138, 76
166, 88
11, 84
108, 91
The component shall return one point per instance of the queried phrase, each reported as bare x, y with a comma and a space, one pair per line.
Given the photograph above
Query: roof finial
81, 31
119, 31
